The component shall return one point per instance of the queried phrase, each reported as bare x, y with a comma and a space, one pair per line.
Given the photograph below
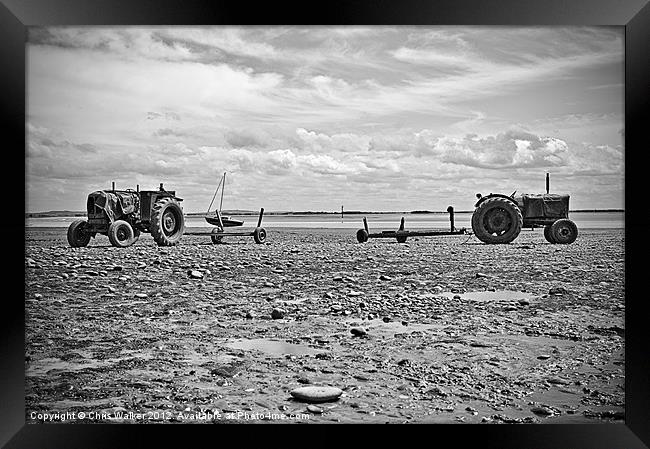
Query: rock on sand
316, 394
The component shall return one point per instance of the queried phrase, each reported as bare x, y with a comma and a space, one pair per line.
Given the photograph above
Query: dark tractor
499, 218
123, 214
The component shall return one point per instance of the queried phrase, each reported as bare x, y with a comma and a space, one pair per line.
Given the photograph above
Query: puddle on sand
500, 295
272, 347
52, 365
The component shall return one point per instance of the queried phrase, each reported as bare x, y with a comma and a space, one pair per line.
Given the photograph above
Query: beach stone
542, 411
314, 409
316, 393
557, 291
140, 295
383, 277
196, 274
277, 314
358, 331
524, 302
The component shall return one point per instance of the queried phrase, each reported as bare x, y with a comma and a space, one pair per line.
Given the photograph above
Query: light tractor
123, 214
499, 218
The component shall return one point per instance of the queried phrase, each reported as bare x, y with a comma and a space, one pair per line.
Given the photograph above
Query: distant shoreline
65, 213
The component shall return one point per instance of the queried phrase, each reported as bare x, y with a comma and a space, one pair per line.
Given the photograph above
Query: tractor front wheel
564, 231
167, 222
78, 236
497, 220
120, 234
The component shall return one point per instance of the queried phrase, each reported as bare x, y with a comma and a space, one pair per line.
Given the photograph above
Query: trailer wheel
564, 231
401, 239
216, 239
259, 235
547, 234
77, 234
497, 220
362, 236
120, 234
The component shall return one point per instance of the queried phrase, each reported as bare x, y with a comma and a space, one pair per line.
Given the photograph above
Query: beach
435, 330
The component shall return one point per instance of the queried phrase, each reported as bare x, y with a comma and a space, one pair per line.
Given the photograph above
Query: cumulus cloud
345, 142
511, 149
246, 137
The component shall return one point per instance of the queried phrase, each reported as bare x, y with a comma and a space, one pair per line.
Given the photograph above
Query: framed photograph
424, 212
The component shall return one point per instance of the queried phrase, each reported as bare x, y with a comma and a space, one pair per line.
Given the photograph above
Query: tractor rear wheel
564, 231
120, 234
497, 220
547, 234
167, 222
362, 236
77, 234
259, 235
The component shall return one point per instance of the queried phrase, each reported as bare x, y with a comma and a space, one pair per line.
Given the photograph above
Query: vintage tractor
123, 214
499, 218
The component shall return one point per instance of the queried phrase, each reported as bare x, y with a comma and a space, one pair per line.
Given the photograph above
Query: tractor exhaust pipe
547, 183
113, 185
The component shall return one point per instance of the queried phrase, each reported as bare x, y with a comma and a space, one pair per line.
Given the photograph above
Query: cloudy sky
312, 118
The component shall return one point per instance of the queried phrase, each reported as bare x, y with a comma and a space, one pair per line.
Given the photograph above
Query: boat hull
227, 221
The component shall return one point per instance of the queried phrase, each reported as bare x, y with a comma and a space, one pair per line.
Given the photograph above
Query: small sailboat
216, 219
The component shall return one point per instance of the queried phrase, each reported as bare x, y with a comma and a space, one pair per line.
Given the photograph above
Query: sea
383, 221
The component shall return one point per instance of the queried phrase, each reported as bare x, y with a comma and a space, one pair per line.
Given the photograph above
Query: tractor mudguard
492, 195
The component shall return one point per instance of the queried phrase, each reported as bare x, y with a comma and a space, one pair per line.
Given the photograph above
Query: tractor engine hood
113, 204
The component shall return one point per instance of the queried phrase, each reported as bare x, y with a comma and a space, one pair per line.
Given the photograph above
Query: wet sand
439, 329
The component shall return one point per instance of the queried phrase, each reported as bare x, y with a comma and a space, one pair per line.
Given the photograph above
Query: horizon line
255, 212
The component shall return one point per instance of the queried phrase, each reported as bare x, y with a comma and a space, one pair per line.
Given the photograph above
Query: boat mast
214, 196
222, 189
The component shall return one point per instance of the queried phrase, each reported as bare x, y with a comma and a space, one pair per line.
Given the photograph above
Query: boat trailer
218, 233
401, 234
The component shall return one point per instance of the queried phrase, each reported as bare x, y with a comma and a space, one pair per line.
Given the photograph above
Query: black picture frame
634, 15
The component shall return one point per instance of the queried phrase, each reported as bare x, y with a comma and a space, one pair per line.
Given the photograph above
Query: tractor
123, 214
498, 218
